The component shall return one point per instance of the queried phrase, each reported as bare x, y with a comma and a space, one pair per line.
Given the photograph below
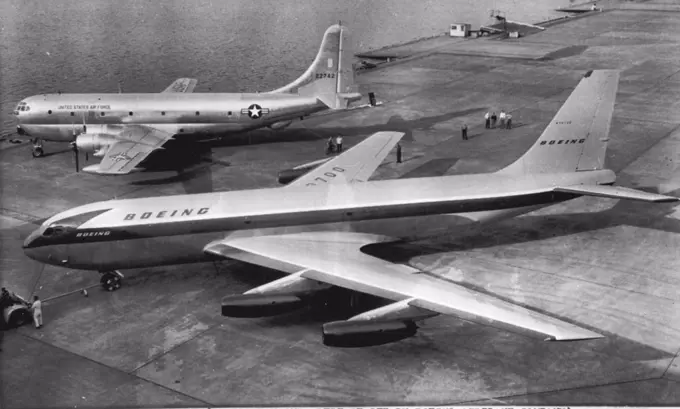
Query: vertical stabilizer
330, 78
576, 138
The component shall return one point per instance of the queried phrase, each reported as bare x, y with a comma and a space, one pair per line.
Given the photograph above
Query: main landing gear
38, 148
111, 280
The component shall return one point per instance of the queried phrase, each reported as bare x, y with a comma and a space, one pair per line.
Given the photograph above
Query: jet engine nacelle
356, 334
280, 124
260, 305
94, 142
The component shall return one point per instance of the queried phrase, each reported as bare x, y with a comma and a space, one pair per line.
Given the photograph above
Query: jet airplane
315, 227
124, 129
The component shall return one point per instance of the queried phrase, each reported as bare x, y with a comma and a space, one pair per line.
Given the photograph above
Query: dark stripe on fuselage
300, 218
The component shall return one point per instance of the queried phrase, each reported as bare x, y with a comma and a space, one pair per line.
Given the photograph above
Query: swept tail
576, 138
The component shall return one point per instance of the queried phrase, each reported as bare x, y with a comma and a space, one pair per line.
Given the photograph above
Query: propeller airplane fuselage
124, 129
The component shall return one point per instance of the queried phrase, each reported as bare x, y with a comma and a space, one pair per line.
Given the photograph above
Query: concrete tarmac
608, 265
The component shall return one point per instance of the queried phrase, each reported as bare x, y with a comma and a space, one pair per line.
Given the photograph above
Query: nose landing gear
111, 280
38, 148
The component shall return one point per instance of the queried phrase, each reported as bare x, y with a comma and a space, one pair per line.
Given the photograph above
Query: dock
611, 266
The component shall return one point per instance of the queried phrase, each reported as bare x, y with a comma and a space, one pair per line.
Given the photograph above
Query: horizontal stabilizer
616, 192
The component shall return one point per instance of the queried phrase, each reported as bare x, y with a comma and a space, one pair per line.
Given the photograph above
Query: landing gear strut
38, 148
111, 280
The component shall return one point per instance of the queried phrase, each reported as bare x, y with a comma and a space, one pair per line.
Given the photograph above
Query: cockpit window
54, 231
74, 221
23, 107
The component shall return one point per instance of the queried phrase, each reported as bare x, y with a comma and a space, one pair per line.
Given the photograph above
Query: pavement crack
198, 334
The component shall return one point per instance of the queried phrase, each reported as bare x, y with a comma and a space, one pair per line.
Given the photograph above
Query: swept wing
336, 258
357, 164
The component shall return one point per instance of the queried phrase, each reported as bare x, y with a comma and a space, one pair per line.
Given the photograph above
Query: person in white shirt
36, 307
502, 119
338, 144
487, 120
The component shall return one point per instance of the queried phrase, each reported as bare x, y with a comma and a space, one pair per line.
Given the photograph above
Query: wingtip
583, 335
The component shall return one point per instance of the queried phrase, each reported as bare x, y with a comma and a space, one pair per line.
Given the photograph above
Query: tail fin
576, 139
330, 78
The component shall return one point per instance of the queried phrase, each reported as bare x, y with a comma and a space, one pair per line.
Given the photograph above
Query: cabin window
229, 113
198, 113
130, 113
103, 114
49, 112
73, 113
181, 129
163, 113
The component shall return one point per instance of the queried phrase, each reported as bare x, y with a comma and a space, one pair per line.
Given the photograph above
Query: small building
460, 30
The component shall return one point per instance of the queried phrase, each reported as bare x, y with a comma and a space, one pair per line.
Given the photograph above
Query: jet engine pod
288, 175
354, 334
93, 142
260, 305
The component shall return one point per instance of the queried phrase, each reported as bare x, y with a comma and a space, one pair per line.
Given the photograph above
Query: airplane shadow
514, 231
181, 154
394, 123
531, 228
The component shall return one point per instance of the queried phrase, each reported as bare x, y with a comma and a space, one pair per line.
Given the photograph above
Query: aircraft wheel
111, 281
38, 152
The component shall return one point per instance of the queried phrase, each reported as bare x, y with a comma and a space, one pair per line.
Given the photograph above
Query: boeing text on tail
124, 129
314, 229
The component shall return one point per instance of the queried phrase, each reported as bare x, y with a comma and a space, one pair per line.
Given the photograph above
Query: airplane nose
30, 240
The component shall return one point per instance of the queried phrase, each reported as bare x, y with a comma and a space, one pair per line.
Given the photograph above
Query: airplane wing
357, 164
616, 192
336, 258
132, 147
182, 85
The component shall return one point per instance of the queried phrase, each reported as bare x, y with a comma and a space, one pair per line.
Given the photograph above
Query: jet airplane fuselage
57, 117
144, 232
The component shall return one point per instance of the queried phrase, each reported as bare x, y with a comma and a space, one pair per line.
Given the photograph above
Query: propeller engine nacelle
280, 124
94, 142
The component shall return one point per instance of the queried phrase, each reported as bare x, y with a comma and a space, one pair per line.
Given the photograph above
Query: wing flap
357, 164
186, 85
616, 192
335, 258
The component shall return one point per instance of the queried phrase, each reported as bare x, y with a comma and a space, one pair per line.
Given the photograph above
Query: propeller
74, 146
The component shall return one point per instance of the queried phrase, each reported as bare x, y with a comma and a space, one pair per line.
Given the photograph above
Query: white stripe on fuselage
274, 201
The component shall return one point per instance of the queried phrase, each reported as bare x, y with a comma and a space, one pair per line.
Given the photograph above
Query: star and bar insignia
120, 156
255, 111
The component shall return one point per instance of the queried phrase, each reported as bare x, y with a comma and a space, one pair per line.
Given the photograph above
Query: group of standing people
505, 120
334, 145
